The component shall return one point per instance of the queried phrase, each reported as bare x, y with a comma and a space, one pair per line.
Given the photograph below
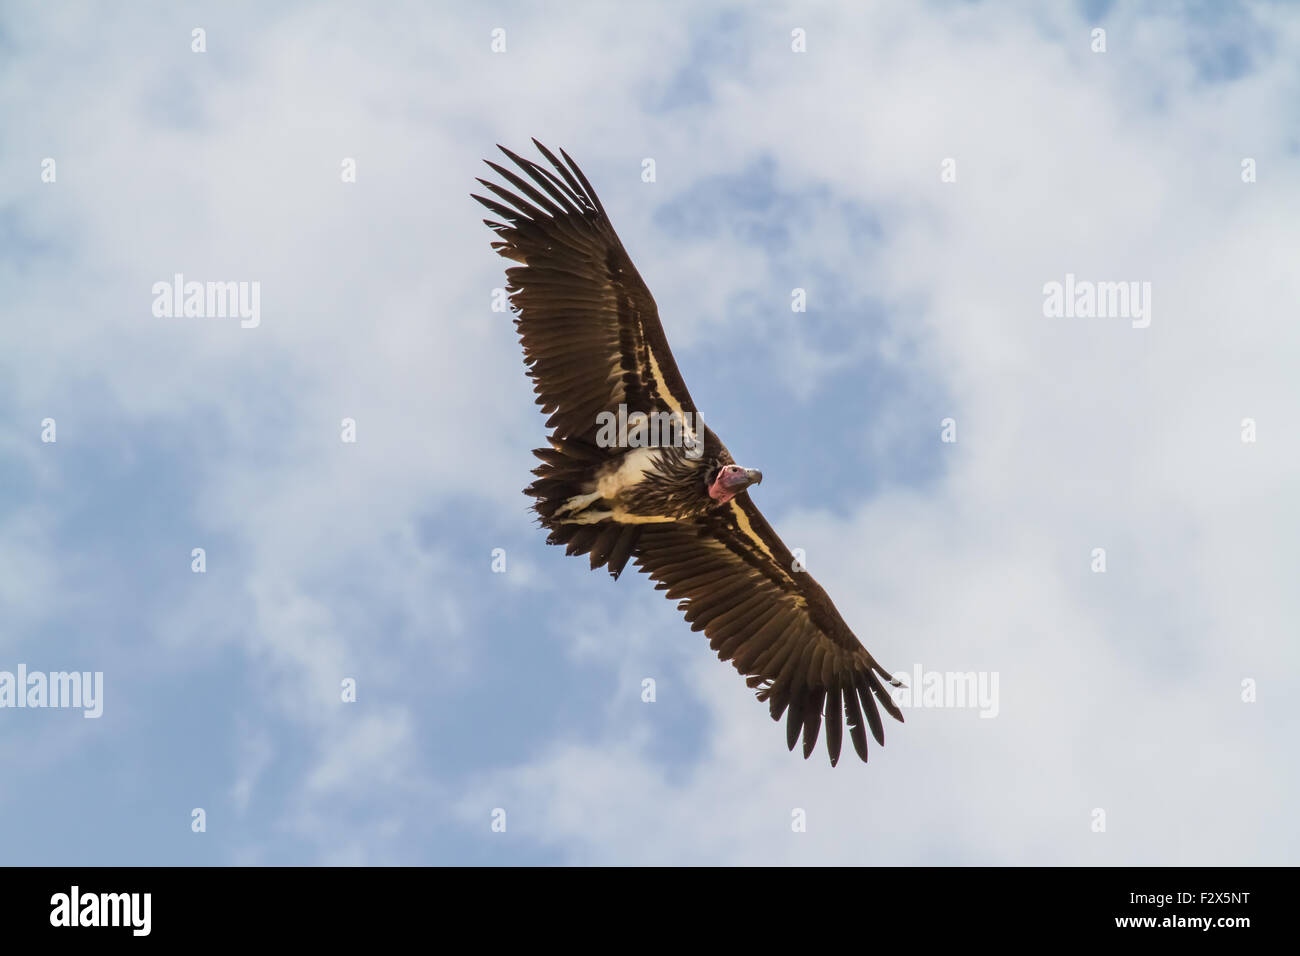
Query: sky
1094, 514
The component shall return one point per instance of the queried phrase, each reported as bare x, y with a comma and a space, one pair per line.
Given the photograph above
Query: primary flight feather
670, 499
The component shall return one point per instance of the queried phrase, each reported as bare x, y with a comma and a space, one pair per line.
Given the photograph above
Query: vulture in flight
672, 500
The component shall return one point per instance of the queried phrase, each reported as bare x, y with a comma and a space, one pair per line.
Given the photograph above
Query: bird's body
664, 492
640, 486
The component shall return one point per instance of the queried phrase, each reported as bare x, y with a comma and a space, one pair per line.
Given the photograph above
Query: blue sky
775, 170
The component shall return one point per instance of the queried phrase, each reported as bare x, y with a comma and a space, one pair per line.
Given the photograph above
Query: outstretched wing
588, 324
739, 584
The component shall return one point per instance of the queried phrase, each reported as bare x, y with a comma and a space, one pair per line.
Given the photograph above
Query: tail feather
568, 471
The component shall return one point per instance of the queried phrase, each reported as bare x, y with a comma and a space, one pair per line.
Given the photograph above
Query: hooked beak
739, 481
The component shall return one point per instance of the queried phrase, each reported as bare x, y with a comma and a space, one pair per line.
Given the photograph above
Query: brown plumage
593, 342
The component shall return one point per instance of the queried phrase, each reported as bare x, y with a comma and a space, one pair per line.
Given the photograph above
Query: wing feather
778, 628
589, 327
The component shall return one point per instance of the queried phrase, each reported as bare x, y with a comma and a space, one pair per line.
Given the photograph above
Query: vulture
670, 499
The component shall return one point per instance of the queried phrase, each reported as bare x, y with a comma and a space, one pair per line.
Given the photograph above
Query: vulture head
730, 480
